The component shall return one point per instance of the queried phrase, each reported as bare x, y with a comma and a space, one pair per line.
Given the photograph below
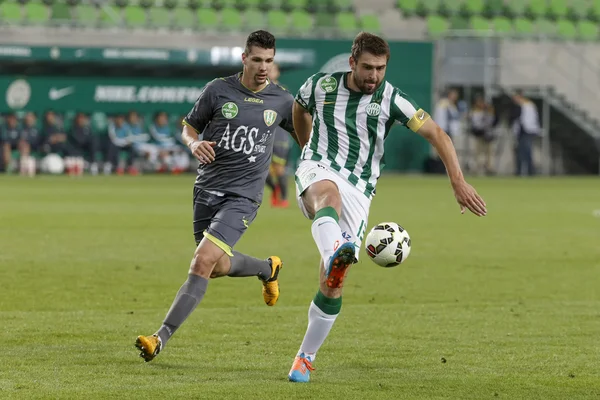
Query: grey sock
189, 296
243, 265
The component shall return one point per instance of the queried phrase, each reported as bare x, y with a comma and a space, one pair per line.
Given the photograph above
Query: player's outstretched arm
201, 149
465, 194
302, 123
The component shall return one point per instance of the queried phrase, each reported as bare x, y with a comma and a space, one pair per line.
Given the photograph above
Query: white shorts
355, 205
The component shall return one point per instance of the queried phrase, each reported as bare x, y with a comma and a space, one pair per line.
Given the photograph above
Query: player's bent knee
222, 268
201, 266
322, 194
330, 199
205, 258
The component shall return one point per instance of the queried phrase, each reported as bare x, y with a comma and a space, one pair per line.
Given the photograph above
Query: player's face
368, 71
258, 63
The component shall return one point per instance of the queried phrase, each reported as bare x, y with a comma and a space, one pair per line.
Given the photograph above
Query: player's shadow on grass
172, 366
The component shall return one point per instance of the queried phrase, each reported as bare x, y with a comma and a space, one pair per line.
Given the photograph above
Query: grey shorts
222, 219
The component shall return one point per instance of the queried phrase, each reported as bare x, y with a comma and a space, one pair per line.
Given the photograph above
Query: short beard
362, 89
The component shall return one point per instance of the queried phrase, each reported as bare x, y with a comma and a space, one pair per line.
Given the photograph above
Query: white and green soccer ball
388, 244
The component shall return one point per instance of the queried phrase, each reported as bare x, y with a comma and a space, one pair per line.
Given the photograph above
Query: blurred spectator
10, 141
447, 114
29, 137
30, 134
120, 142
169, 152
482, 119
448, 117
84, 141
141, 140
525, 125
54, 138
136, 128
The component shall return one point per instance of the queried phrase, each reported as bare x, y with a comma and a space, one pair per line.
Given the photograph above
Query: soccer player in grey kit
236, 117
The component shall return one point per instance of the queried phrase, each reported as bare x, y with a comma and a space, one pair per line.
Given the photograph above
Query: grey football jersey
242, 123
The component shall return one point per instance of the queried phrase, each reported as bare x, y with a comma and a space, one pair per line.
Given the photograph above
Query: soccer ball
388, 244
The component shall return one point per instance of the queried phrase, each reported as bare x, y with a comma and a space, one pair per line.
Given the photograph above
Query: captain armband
417, 120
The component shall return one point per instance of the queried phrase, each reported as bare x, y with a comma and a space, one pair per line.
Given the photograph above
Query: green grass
511, 301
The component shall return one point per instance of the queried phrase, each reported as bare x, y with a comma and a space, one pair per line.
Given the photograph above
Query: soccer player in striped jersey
341, 121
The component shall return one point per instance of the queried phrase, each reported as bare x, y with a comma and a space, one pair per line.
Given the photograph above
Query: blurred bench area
77, 142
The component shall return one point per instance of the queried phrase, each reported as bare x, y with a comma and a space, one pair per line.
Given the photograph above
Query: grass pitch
505, 306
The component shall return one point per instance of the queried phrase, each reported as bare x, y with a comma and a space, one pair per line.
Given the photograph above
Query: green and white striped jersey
349, 127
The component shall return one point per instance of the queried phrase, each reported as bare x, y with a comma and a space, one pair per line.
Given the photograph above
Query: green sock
328, 305
327, 212
322, 314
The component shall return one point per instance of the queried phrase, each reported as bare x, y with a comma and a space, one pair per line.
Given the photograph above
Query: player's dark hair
262, 39
368, 43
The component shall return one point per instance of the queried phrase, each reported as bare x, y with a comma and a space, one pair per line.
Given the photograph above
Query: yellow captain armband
417, 120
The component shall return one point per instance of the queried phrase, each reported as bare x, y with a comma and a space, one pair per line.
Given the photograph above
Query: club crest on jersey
269, 116
373, 109
229, 110
329, 84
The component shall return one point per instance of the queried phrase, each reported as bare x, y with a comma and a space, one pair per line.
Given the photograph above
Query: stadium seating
570, 19
556, 19
295, 17
437, 25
